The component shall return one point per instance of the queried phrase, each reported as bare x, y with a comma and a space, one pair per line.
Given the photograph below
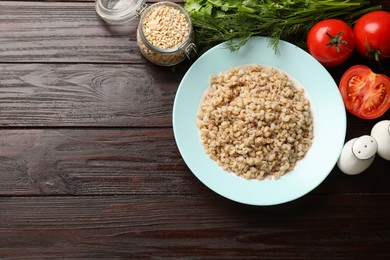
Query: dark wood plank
63, 32
67, 31
51, 100
123, 161
148, 1
92, 162
96, 95
87, 95
193, 227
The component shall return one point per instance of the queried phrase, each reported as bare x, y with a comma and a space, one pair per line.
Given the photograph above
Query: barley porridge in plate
255, 122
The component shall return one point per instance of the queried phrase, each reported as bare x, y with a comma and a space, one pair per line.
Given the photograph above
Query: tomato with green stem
331, 42
365, 93
372, 33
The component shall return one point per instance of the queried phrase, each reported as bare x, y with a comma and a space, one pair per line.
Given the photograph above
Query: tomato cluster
332, 41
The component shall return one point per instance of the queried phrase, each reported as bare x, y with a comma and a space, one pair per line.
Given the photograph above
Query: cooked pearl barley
254, 122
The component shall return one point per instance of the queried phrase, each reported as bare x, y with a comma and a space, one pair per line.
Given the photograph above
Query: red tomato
365, 94
331, 42
372, 33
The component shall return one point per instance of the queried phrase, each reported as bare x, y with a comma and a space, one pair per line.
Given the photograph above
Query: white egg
381, 133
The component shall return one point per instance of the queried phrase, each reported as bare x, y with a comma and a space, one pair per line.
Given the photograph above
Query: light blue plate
328, 112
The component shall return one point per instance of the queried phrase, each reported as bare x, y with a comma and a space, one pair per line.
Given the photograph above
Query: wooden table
89, 168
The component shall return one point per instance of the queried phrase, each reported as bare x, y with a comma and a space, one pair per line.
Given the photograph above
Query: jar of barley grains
164, 35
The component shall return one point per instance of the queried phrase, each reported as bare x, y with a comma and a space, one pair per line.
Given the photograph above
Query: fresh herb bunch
216, 21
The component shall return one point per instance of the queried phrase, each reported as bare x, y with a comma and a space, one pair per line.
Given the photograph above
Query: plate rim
189, 162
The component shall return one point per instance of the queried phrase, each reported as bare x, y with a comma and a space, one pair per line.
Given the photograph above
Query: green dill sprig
217, 21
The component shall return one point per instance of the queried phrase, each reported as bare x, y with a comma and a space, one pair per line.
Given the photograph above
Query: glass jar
119, 11
165, 34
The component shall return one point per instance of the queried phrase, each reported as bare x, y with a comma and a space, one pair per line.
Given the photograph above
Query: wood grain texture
87, 95
92, 162
70, 31
63, 32
67, 31
123, 161
193, 227
64, 95
89, 168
